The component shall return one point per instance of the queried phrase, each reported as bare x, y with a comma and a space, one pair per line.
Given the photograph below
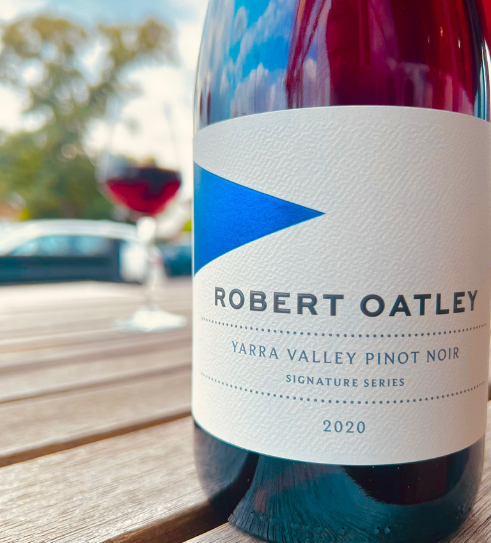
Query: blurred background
95, 125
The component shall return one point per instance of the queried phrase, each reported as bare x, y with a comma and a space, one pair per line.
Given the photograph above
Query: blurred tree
45, 57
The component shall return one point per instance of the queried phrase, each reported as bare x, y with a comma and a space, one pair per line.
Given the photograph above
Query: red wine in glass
146, 190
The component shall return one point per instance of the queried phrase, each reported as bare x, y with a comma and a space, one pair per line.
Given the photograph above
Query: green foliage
49, 166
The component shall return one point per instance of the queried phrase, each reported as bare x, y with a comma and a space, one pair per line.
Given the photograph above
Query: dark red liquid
145, 190
316, 53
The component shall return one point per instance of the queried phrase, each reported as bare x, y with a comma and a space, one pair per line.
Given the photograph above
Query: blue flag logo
228, 216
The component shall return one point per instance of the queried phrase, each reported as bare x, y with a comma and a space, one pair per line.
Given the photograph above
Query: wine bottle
341, 283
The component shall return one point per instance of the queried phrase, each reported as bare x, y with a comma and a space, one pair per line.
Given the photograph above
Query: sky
167, 91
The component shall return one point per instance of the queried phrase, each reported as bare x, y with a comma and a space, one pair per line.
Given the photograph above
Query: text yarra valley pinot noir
341, 286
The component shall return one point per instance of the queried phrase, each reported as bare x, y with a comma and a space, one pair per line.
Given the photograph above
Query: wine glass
145, 189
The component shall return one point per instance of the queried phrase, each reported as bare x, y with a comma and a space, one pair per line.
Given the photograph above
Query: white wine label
342, 283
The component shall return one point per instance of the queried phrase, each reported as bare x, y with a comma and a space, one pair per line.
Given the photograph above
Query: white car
71, 250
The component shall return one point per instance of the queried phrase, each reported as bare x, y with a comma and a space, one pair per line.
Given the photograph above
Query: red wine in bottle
341, 289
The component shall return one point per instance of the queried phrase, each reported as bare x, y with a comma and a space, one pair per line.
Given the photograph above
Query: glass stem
147, 229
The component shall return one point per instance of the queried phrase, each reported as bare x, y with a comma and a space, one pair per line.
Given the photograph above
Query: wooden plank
78, 312
33, 324
18, 298
54, 303
74, 318
122, 344
224, 534
40, 298
34, 354
63, 338
90, 324
42, 426
137, 488
71, 334
477, 528
39, 381
18, 295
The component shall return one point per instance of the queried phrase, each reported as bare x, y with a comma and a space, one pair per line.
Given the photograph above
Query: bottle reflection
367, 52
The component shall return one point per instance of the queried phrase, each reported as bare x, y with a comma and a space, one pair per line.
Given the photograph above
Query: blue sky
125, 10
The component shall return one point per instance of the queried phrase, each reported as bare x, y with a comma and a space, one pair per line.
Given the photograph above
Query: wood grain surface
45, 425
97, 442
122, 344
91, 449
140, 487
43, 380
224, 534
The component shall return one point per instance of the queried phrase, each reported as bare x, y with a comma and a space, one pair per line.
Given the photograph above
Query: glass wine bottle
331, 57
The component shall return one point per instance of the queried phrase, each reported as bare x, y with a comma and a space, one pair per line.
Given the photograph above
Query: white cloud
262, 90
240, 23
12, 102
221, 20
271, 23
9, 9
11, 105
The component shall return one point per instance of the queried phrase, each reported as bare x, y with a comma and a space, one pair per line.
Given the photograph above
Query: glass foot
151, 319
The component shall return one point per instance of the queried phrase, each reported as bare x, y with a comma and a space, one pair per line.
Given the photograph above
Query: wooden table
96, 436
